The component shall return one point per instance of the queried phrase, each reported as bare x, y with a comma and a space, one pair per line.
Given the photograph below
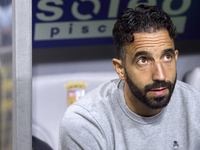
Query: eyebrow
169, 51
141, 53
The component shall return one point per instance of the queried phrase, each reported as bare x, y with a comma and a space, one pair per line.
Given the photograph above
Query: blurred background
5, 74
72, 49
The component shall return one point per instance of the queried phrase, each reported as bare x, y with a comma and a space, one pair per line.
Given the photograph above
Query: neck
136, 105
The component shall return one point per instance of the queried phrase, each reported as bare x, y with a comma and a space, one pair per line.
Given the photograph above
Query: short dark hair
141, 19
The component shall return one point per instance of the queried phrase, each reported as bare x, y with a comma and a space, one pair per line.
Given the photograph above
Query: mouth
158, 91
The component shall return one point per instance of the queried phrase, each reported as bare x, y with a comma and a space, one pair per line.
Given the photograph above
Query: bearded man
147, 107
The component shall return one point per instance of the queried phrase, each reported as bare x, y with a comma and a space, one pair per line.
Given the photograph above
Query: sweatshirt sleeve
80, 130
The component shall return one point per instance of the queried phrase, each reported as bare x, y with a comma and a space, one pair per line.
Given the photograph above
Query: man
147, 108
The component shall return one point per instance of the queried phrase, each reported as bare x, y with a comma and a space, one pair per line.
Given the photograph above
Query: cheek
171, 72
140, 79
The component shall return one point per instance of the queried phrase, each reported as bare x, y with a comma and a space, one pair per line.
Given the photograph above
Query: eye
142, 61
168, 57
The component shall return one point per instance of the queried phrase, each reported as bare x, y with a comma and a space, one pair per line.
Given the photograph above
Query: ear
176, 54
119, 68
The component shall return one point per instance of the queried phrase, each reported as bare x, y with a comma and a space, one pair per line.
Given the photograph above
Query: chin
157, 102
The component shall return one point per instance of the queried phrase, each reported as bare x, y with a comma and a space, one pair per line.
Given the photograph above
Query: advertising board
61, 23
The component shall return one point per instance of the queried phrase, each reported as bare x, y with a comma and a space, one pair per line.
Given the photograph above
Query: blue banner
61, 23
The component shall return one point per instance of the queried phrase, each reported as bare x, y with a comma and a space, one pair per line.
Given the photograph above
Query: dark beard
153, 102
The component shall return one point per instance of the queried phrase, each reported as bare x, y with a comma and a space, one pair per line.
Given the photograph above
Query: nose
158, 72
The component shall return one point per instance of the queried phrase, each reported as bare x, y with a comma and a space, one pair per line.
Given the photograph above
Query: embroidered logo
75, 90
176, 145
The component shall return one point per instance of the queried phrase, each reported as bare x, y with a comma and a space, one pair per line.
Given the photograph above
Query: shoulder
187, 95
99, 95
188, 100
186, 89
93, 104
76, 113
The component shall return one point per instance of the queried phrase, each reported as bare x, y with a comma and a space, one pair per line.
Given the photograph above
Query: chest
166, 134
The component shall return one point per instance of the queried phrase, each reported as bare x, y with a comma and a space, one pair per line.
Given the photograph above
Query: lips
158, 92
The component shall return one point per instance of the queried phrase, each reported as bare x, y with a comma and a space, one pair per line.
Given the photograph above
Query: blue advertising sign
61, 23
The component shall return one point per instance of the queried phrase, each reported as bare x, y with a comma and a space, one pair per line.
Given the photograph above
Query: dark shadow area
188, 47
38, 144
71, 54
98, 52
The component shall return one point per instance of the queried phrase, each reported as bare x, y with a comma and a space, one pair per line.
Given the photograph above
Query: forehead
152, 42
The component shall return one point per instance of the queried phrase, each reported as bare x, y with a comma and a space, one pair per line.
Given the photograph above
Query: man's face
151, 68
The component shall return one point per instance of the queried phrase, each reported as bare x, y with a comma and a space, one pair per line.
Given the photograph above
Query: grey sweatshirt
101, 120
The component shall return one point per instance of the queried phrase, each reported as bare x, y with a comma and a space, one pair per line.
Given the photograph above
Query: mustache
158, 84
